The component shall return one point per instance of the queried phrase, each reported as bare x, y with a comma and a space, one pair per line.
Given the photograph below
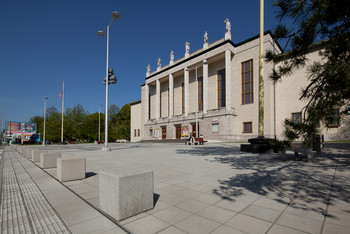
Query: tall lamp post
99, 121
115, 16
45, 98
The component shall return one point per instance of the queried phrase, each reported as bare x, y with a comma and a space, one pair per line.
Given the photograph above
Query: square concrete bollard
36, 155
49, 160
71, 168
125, 192
29, 152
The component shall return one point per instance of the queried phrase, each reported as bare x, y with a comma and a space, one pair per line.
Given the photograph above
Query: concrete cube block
71, 168
36, 154
49, 160
29, 152
125, 192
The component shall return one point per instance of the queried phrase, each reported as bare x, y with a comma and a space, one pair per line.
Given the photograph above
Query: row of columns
186, 90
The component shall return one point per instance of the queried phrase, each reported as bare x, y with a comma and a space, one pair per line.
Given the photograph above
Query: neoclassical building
213, 92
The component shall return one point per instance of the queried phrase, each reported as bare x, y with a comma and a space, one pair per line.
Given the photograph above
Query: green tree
323, 23
39, 120
123, 123
53, 125
73, 122
89, 129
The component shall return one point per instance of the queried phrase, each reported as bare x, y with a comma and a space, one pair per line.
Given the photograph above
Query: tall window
221, 88
247, 82
296, 117
247, 127
183, 97
168, 101
200, 93
333, 119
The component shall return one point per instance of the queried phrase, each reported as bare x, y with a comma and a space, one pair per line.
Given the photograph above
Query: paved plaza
213, 188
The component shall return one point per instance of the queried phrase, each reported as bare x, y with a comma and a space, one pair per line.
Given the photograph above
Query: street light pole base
105, 149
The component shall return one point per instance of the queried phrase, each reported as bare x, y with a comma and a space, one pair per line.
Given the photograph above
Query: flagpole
261, 72
62, 112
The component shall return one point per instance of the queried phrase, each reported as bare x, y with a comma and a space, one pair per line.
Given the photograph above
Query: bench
196, 141
72, 142
199, 141
100, 142
48, 160
298, 148
125, 192
70, 168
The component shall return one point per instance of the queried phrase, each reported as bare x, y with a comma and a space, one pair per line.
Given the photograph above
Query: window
221, 88
151, 132
149, 106
138, 132
183, 97
134, 132
247, 82
215, 127
247, 127
296, 117
200, 93
332, 121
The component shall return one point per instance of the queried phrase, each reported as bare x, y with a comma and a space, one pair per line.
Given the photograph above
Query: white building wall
136, 129
230, 121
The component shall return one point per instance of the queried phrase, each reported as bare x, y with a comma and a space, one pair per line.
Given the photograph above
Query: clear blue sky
43, 42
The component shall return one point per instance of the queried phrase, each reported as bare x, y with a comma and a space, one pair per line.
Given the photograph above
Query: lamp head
116, 15
101, 33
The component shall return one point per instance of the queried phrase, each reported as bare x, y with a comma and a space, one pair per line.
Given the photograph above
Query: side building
213, 92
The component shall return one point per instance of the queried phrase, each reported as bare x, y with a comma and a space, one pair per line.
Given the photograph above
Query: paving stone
263, 213
172, 215
196, 224
223, 229
300, 223
217, 214
147, 225
248, 224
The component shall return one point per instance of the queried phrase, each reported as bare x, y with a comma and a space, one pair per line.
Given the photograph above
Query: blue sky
44, 42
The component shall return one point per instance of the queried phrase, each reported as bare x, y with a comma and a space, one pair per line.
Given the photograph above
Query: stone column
157, 99
146, 102
228, 79
171, 95
186, 87
205, 86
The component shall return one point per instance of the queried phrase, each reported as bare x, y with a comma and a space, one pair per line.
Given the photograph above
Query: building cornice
195, 55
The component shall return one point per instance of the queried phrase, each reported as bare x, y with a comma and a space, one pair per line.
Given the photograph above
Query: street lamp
45, 98
115, 16
99, 128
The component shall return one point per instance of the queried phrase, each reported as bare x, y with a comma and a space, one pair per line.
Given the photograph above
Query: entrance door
178, 131
194, 130
163, 132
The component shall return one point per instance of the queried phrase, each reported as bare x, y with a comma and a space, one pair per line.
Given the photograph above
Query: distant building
220, 83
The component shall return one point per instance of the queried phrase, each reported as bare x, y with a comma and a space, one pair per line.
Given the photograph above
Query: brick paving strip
24, 209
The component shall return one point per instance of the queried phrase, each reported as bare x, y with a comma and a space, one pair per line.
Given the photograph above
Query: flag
59, 95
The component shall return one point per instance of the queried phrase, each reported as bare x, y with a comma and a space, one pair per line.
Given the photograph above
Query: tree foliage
80, 125
316, 23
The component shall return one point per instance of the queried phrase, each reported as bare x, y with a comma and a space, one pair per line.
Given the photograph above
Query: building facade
213, 93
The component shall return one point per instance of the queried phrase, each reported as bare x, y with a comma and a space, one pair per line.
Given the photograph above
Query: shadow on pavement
313, 184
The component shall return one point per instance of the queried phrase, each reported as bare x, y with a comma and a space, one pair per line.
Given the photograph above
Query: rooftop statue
228, 25
205, 37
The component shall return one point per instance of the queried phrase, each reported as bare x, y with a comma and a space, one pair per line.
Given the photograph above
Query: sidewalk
34, 202
213, 188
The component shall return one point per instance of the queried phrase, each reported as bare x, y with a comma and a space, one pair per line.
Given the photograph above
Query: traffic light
112, 79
